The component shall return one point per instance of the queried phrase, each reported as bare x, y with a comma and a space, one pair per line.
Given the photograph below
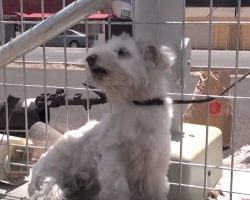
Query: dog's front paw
115, 195
40, 187
42, 178
118, 190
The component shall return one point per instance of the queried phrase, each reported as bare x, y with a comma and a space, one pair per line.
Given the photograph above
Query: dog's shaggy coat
125, 156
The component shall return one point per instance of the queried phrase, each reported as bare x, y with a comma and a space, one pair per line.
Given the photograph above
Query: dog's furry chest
144, 143
134, 123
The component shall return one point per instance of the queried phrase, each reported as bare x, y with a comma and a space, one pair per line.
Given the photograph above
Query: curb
49, 65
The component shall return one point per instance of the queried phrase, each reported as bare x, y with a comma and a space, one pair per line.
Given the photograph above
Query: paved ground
221, 58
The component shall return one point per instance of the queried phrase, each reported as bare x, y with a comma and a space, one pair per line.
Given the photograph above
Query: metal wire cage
44, 84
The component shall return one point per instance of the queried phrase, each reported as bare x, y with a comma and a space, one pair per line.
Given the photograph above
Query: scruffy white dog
125, 156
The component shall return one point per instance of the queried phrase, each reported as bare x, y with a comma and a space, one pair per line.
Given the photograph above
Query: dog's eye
121, 52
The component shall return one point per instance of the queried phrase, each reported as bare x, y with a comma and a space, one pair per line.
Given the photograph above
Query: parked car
73, 39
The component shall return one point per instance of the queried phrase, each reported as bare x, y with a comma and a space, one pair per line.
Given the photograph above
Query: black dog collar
152, 102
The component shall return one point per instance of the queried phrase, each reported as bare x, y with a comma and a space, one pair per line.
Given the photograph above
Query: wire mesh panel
48, 87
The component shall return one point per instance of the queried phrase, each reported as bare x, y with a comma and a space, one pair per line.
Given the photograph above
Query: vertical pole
235, 102
65, 55
2, 27
162, 23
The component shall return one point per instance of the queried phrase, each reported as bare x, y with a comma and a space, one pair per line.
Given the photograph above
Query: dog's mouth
98, 71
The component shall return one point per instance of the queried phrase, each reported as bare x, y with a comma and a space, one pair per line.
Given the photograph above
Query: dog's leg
111, 176
53, 164
47, 168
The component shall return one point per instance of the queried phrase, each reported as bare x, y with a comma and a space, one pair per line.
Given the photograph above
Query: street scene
57, 67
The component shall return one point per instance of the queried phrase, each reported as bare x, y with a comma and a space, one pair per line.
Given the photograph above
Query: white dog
126, 155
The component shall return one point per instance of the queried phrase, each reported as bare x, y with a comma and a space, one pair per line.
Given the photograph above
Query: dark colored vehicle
73, 39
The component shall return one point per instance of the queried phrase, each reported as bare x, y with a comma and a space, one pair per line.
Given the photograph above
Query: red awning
95, 16
99, 16
34, 15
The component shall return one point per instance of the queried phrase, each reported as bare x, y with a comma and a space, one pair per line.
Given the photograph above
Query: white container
193, 152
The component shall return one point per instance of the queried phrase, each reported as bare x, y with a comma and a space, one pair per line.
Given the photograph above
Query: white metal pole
162, 23
48, 29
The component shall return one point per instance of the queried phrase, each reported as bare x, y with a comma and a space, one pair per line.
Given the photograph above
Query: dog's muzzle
95, 68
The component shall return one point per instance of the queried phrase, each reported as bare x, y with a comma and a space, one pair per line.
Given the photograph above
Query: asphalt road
219, 58
56, 54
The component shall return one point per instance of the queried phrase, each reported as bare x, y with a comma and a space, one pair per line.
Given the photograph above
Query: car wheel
74, 44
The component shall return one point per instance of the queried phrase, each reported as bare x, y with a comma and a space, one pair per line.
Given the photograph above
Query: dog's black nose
91, 59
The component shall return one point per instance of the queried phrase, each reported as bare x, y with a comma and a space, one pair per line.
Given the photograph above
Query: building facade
30, 11
11, 7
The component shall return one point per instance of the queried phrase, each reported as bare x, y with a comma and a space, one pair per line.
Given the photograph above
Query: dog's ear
124, 36
152, 53
168, 56
163, 56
